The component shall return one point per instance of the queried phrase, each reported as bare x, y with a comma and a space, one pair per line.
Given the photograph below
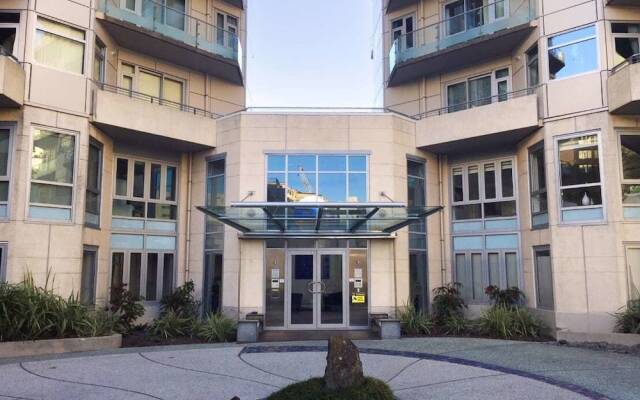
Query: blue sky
304, 53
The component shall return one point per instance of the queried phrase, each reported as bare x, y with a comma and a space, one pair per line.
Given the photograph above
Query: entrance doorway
317, 292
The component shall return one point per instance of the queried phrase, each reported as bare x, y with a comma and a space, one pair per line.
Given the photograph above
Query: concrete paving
430, 368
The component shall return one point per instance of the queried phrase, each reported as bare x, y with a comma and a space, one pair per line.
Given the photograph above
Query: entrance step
294, 336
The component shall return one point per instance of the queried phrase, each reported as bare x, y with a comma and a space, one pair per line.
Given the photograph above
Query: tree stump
344, 368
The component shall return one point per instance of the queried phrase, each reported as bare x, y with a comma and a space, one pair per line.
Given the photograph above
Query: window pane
215, 192
93, 168
544, 281
99, 61
480, 91
156, 174
276, 163
489, 181
458, 186
476, 265
175, 13
357, 187
122, 173
494, 269
60, 29
573, 59
332, 163
216, 167
625, 48
457, 97
474, 184
501, 209
358, 163
4, 191
59, 52
92, 203
88, 277
135, 265
572, 36
418, 289
149, 84
128, 208
302, 163
50, 194
416, 192
511, 263
471, 211
276, 190
631, 194
463, 276
630, 156
167, 275
579, 161
53, 157
152, 277
533, 77
332, 187
172, 91
581, 197
117, 269
507, 179
171, 183
537, 170
302, 186
4, 152
162, 211
8, 39
138, 178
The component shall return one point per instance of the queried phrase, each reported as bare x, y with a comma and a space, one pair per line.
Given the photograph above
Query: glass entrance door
316, 290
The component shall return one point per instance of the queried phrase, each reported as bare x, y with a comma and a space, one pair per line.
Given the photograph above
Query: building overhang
334, 220
471, 52
12, 81
395, 5
142, 40
236, 3
623, 88
623, 3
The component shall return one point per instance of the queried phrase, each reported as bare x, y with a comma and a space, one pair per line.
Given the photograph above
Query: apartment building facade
507, 154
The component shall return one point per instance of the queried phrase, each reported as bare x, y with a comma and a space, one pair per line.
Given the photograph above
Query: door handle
323, 287
310, 285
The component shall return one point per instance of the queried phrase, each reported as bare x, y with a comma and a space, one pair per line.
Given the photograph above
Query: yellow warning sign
357, 298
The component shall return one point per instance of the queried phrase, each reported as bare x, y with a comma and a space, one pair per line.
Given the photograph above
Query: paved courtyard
414, 368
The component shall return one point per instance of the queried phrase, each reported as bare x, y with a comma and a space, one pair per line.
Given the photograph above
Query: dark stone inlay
591, 394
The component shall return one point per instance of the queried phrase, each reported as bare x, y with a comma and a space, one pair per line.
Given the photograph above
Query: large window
5, 169
59, 46
462, 15
145, 189
484, 190
227, 25
630, 155
573, 53
626, 38
52, 175
99, 60
317, 178
479, 91
580, 182
418, 289
538, 187
94, 184
152, 84
633, 271
214, 237
9, 23
402, 28
533, 69
477, 269
544, 277
145, 273
89, 275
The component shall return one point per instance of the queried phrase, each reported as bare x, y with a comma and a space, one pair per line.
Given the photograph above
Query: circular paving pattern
253, 372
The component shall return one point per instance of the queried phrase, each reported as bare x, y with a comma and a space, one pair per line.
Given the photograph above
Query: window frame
144, 255
83, 42
529, 60
535, 250
491, 16
485, 273
316, 172
616, 35
482, 200
227, 28
560, 208
540, 146
146, 199
76, 162
96, 144
3, 262
403, 30
14, 25
135, 78
100, 56
422, 234
494, 89
11, 127
95, 250
623, 180
584, 39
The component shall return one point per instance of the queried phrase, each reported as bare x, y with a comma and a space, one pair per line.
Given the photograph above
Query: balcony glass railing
175, 24
460, 27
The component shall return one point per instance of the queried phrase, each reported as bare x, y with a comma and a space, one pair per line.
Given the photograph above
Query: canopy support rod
272, 219
359, 223
319, 218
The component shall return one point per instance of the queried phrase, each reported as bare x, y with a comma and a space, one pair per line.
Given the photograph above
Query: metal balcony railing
156, 100
418, 103
177, 25
634, 59
460, 28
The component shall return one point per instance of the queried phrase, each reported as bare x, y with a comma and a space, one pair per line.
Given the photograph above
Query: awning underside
318, 219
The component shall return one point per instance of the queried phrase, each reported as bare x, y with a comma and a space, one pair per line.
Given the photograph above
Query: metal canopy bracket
272, 219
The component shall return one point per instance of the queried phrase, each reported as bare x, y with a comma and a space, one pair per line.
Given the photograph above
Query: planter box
57, 346
621, 339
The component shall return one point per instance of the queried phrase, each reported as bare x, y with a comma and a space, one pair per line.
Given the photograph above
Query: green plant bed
314, 389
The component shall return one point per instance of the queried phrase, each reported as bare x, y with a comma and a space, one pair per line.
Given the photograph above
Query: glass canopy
318, 219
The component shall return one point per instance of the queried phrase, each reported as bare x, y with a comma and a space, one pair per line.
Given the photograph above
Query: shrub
181, 301
457, 325
217, 328
510, 322
99, 323
126, 305
314, 389
414, 322
628, 320
511, 297
447, 301
171, 325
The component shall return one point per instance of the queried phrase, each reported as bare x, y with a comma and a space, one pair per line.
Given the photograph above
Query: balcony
623, 2
395, 5
466, 39
143, 120
624, 87
12, 81
482, 125
169, 34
